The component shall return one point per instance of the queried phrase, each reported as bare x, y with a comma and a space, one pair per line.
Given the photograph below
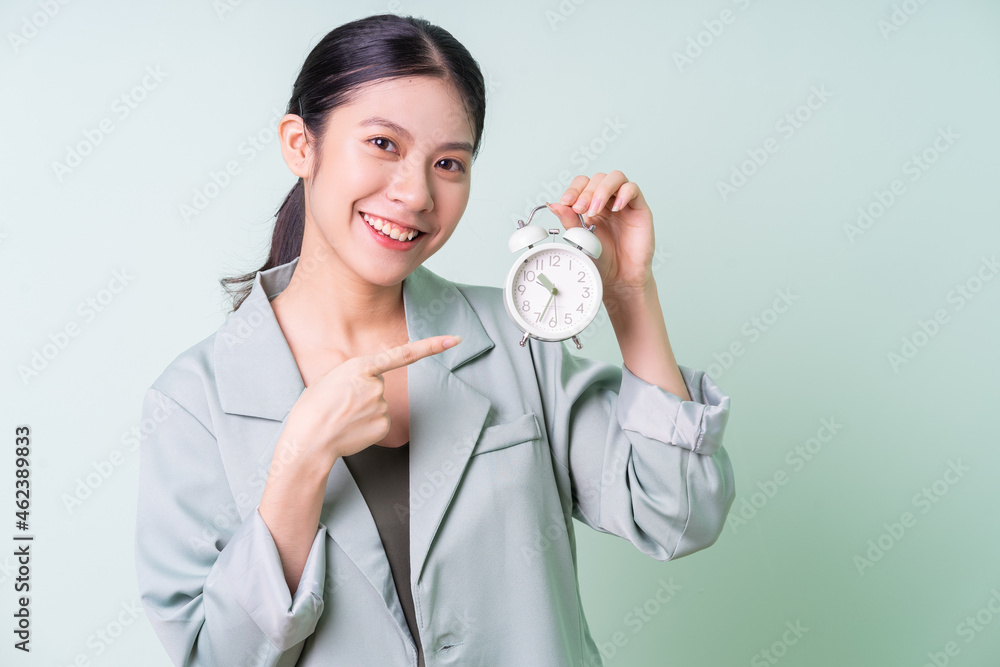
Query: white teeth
394, 233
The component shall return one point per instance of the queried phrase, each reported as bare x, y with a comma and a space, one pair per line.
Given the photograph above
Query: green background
894, 78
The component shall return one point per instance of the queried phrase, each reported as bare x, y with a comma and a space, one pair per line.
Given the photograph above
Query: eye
459, 166
385, 140
382, 142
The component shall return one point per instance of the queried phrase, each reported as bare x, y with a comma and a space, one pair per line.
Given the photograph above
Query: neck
333, 304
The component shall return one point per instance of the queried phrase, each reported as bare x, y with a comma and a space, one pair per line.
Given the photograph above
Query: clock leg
577, 341
524, 339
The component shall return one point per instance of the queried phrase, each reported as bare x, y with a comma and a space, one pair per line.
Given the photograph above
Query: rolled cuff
697, 425
252, 569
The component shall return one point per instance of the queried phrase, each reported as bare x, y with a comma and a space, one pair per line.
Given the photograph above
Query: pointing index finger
407, 353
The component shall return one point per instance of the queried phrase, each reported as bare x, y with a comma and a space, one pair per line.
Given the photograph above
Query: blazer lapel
446, 414
257, 377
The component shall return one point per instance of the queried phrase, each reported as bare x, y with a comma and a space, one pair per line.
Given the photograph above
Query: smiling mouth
390, 229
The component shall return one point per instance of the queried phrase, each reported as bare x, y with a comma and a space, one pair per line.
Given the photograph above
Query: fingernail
594, 208
451, 342
566, 198
580, 206
618, 204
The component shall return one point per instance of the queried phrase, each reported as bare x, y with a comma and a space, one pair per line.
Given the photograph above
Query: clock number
539, 263
525, 305
568, 319
554, 260
529, 276
586, 292
582, 276
552, 322
580, 308
520, 288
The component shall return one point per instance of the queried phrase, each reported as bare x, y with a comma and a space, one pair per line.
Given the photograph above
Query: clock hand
546, 283
546, 307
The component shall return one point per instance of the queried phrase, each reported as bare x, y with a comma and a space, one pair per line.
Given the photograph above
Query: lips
390, 228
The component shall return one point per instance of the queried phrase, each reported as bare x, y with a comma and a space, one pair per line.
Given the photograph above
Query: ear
294, 148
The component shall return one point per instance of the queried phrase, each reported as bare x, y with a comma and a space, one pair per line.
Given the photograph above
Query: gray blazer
507, 445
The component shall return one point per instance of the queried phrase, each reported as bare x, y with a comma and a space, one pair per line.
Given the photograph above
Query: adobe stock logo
969, 628
215, 184
924, 500
88, 309
796, 458
122, 107
639, 617
787, 126
562, 12
914, 167
900, 16
224, 7
30, 26
581, 159
714, 28
959, 296
779, 648
752, 329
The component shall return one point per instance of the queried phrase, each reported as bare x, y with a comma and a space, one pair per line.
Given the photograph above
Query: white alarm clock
554, 290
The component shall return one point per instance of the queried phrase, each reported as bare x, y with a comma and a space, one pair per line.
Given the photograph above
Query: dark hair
383, 46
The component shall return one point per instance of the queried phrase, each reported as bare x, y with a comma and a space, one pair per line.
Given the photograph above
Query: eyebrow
403, 132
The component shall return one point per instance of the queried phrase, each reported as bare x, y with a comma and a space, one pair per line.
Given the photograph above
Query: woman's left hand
624, 225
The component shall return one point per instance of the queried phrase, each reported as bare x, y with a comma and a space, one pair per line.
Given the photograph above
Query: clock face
554, 292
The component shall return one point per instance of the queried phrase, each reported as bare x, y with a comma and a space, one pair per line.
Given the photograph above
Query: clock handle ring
537, 208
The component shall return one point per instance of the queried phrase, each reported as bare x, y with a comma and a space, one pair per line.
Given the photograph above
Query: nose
410, 187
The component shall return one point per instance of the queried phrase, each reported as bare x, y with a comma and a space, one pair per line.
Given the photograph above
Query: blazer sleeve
211, 584
643, 464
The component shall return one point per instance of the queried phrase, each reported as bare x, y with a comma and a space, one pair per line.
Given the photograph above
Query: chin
383, 275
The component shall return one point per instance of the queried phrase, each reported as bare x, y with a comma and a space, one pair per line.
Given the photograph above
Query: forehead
427, 108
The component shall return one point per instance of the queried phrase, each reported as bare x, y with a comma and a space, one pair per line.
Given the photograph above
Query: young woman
362, 466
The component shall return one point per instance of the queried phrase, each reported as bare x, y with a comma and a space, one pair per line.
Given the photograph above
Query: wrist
629, 302
295, 462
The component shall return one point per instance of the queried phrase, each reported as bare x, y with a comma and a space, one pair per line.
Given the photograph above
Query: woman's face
401, 151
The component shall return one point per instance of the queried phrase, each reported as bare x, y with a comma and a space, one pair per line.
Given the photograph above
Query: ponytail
286, 243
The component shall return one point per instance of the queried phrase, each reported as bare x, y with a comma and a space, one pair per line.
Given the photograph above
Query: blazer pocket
501, 436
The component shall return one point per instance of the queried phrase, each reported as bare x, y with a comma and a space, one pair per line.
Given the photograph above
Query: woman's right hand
339, 414
344, 411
